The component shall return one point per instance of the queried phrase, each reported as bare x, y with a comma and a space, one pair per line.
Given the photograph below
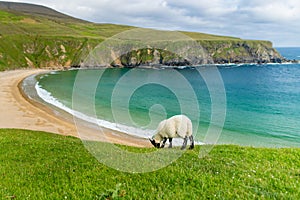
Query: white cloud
273, 10
274, 20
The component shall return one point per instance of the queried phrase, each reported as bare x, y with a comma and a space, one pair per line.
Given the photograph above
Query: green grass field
38, 165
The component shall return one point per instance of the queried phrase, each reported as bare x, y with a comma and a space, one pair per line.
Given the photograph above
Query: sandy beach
18, 112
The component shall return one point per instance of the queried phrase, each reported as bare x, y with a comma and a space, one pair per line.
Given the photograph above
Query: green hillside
21, 23
37, 36
35, 10
21, 18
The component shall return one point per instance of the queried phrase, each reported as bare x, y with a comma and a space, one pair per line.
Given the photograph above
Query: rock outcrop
205, 52
242, 51
54, 52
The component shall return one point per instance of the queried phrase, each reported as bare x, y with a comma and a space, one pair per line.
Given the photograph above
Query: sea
244, 104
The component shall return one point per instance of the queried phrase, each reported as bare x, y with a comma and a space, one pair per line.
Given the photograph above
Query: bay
262, 101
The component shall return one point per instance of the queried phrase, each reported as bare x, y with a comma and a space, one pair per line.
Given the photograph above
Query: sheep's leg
184, 143
164, 142
191, 141
170, 141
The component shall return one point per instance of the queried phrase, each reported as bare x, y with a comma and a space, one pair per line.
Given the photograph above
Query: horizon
236, 24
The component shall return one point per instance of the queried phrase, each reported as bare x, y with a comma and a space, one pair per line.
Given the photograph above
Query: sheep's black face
156, 145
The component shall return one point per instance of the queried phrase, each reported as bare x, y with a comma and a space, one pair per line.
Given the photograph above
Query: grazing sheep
179, 126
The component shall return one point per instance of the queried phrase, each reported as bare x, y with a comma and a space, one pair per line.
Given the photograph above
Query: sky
274, 20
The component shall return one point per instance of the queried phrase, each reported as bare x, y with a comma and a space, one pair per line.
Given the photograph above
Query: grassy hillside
37, 36
35, 10
37, 165
14, 23
43, 29
22, 18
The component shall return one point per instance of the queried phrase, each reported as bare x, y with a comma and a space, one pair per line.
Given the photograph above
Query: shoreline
20, 112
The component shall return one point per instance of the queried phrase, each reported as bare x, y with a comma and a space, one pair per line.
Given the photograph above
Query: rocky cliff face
242, 51
212, 52
43, 52
57, 52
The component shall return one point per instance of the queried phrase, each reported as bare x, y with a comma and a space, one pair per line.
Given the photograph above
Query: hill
35, 10
37, 36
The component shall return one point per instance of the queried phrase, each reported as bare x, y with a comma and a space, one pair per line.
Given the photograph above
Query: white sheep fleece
174, 127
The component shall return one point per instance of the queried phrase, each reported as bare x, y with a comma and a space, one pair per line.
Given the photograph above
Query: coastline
20, 112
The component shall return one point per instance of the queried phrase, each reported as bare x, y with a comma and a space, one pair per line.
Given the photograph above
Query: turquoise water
262, 101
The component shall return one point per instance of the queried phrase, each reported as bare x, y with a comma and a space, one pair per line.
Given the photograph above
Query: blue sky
274, 20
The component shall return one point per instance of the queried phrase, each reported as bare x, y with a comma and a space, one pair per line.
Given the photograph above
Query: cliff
212, 52
39, 37
26, 51
59, 52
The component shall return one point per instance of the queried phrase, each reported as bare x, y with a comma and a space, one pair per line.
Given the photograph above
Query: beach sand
18, 112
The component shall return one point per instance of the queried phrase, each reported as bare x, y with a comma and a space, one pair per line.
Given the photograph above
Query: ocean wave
47, 97
138, 132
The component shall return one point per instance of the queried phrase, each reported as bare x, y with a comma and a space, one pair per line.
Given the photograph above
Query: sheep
178, 126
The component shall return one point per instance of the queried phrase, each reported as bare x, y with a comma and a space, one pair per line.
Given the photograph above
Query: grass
38, 165
6, 16
204, 36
